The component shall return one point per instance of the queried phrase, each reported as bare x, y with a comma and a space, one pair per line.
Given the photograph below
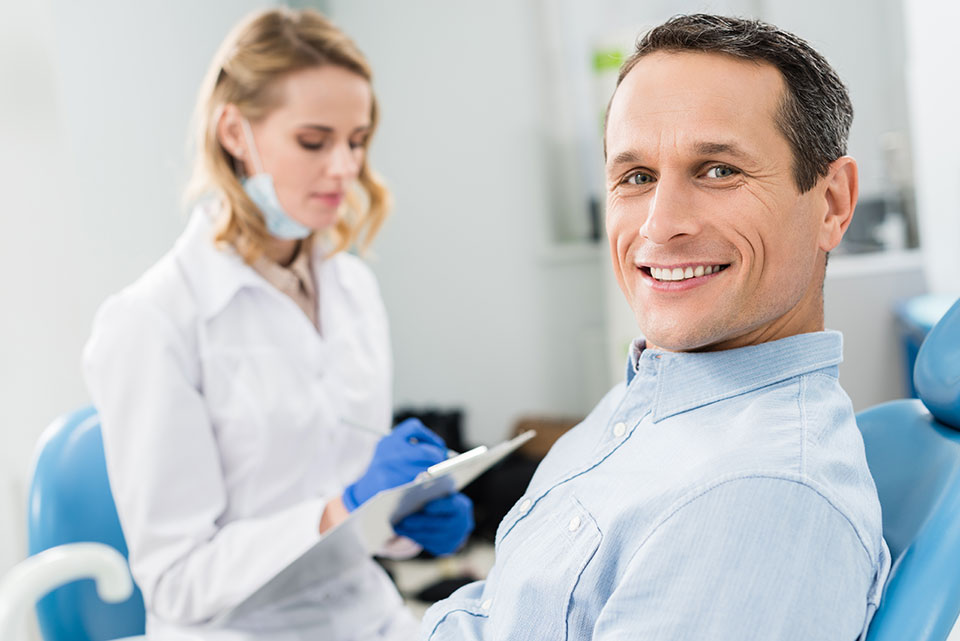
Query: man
723, 492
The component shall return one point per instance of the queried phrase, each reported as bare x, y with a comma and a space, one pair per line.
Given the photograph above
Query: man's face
712, 243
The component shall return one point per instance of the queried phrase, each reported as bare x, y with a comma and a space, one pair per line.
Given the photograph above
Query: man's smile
681, 272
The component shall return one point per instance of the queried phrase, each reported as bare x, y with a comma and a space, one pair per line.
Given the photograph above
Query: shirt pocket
544, 554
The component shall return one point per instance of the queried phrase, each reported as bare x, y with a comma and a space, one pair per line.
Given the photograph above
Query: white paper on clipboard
370, 527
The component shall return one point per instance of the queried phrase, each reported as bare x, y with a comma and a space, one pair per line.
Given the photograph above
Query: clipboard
370, 527
376, 517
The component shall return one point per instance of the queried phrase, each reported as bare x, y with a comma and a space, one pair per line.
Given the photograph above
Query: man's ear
840, 196
230, 132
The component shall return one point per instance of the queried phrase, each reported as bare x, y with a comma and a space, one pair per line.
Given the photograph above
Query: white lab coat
228, 422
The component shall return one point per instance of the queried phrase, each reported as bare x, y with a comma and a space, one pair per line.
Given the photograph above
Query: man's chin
674, 341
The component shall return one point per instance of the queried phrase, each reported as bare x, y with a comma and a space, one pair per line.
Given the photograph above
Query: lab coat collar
217, 273
687, 380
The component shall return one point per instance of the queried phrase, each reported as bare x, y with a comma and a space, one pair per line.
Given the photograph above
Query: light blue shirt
720, 496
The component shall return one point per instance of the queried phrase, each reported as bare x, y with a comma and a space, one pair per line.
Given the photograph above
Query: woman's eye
721, 171
357, 144
311, 145
639, 178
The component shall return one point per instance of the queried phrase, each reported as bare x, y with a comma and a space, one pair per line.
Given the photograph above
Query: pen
369, 430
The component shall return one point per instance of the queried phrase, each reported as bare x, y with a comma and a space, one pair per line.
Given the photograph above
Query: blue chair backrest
70, 501
913, 449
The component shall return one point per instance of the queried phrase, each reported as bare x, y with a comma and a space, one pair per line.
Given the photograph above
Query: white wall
934, 99
485, 314
866, 47
860, 295
93, 117
29, 145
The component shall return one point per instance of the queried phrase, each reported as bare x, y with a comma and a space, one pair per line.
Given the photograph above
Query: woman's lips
330, 199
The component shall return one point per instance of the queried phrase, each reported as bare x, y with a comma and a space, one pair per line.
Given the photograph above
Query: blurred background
493, 266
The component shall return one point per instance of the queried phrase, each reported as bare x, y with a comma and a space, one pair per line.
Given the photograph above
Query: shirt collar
295, 279
687, 380
215, 273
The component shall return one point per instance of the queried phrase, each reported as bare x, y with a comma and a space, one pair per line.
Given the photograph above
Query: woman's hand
441, 526
334, 513
408, 450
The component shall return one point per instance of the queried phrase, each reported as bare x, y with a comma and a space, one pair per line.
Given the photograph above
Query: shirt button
525, 506
574, 524
486, 604
619, 429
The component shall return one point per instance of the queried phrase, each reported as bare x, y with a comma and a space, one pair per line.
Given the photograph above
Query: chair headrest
936, 374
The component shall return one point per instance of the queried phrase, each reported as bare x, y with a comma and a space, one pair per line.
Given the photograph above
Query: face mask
261, 191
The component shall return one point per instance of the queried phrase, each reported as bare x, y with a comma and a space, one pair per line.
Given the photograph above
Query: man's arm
752, 558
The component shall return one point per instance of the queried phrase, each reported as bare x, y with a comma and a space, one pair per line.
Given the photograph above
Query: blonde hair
244, 72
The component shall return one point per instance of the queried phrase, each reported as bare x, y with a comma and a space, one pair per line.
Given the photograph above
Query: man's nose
671, 212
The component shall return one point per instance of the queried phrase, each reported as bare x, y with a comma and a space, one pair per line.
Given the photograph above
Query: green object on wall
607, 60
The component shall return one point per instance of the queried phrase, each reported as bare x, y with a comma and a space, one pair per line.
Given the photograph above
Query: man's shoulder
801, 432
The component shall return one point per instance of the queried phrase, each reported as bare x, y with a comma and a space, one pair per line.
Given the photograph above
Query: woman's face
313, 144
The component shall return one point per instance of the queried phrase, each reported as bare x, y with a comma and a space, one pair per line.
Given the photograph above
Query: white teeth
681, 273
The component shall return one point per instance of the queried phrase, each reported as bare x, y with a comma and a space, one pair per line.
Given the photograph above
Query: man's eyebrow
631, 157
624, 158
718, 148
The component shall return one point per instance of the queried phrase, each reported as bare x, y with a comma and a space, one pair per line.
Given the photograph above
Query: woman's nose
343, 161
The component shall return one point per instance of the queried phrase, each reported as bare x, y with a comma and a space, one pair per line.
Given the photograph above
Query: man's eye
721, 171
639, 178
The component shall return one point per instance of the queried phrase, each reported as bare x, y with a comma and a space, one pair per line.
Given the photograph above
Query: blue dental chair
913, 450
70, 501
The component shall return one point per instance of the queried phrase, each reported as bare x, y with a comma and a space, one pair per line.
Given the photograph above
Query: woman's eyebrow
329, 130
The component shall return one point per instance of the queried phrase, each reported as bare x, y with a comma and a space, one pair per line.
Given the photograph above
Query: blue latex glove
441, 526
400, 455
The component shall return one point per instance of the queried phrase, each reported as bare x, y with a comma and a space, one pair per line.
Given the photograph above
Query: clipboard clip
439, 469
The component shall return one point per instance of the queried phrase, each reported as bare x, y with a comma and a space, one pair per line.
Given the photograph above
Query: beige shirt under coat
295, 280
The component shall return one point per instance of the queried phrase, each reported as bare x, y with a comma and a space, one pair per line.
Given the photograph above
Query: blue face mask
261, 191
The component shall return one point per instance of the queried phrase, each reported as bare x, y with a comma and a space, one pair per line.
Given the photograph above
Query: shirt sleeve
752, 558
164, 469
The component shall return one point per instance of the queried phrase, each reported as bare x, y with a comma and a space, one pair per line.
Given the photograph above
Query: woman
238, 381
